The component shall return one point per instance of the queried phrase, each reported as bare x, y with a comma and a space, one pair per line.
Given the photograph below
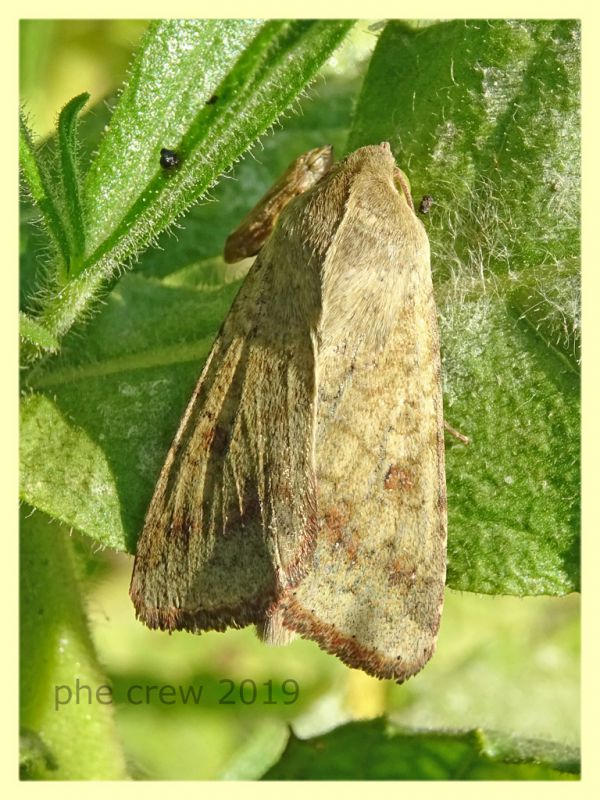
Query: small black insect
425, 204
169, 159
212, 100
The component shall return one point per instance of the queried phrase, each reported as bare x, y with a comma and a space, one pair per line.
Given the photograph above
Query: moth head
378, 159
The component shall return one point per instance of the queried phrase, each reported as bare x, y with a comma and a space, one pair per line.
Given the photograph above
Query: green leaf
323, 117
130, 200
484, 116
178, 66
35, 334
94, 436
375, 750
72, 466
67, 146
260, 752
269, 74
60, 740
42, 192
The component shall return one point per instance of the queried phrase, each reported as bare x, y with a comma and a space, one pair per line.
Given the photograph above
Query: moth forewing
374, 590
233, 513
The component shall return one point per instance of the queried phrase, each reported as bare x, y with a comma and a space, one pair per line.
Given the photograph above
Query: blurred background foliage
61, 58
502, 663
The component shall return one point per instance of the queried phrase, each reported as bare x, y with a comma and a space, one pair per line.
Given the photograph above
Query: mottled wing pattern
374, 591
233, 515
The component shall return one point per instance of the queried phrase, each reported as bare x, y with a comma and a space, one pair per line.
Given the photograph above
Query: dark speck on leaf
425, 204
169, 159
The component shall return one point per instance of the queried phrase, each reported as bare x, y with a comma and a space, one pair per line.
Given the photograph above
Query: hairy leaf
376, 751
484, 116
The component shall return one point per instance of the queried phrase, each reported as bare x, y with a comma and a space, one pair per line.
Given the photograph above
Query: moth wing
373, 595
233, 513
256, 227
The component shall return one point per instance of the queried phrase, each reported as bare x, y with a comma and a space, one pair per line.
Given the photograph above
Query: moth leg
457, 434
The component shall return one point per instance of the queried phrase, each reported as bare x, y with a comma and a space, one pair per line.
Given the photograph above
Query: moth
304, 491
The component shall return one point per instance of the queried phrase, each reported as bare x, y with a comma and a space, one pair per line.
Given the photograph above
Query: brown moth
305, 488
